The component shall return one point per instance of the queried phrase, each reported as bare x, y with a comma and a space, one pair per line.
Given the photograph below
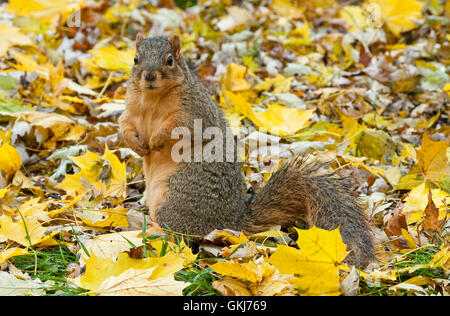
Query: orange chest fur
153, 114
150, 115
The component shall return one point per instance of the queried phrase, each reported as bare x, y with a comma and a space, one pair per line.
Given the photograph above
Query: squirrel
195, 198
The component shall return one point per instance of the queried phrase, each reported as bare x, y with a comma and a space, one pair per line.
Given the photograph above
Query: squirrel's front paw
157, 141
137, 143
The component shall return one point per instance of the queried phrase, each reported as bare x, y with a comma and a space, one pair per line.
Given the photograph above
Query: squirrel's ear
175, 42
139, 38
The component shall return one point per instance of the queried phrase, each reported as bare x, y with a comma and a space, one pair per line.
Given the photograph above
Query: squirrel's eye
170, 60
136, 59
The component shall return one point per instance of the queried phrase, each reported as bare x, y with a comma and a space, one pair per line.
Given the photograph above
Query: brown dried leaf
431, 218
394, 222
231, 287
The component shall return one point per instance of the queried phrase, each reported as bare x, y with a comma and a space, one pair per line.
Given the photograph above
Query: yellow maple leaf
318, 260
110, 58
268, 234
77, 184
392, 175
432, 158
3, 192
279, 84
440, 259
10, 160
277, 119
46, 11
262, 279
287, 8
320, 244
112, 217
109, 246
32, 208
59, 124
99, 269
417, 200
11, 252
410, 242
399, 15
11, 36
234, 79
447, 89
118, 181
19, 233
240, 104
408, 151
135, 282
86, 160
352, 128
120, 10
283, 121
231, 238
27, 63
231, 287
248, 271
90, 175
354, 16
300, 34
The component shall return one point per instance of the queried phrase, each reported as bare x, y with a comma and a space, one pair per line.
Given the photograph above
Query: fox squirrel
197, 197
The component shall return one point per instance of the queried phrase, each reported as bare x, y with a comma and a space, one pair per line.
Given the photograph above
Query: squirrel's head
157, 64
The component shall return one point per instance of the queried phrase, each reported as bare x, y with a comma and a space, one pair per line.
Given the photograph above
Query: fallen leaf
431, 216
399, 15
394, 222
354, 16
21, 231
47, 12
226, 237
411, 243
283, 121
11, 252
98, 270
11, 36
249, 271
279, 84
417, 201
432, 158
12, 286
263, 278
104, 174
10, 160
441, 259
112, 217
350, 284
287, 8
234, 79
321, 252
231, 287
136, 282
110, 58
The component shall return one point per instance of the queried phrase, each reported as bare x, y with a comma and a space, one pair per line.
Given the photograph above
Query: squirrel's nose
149, 75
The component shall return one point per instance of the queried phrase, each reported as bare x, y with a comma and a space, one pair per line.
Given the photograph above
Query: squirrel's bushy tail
301, 190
